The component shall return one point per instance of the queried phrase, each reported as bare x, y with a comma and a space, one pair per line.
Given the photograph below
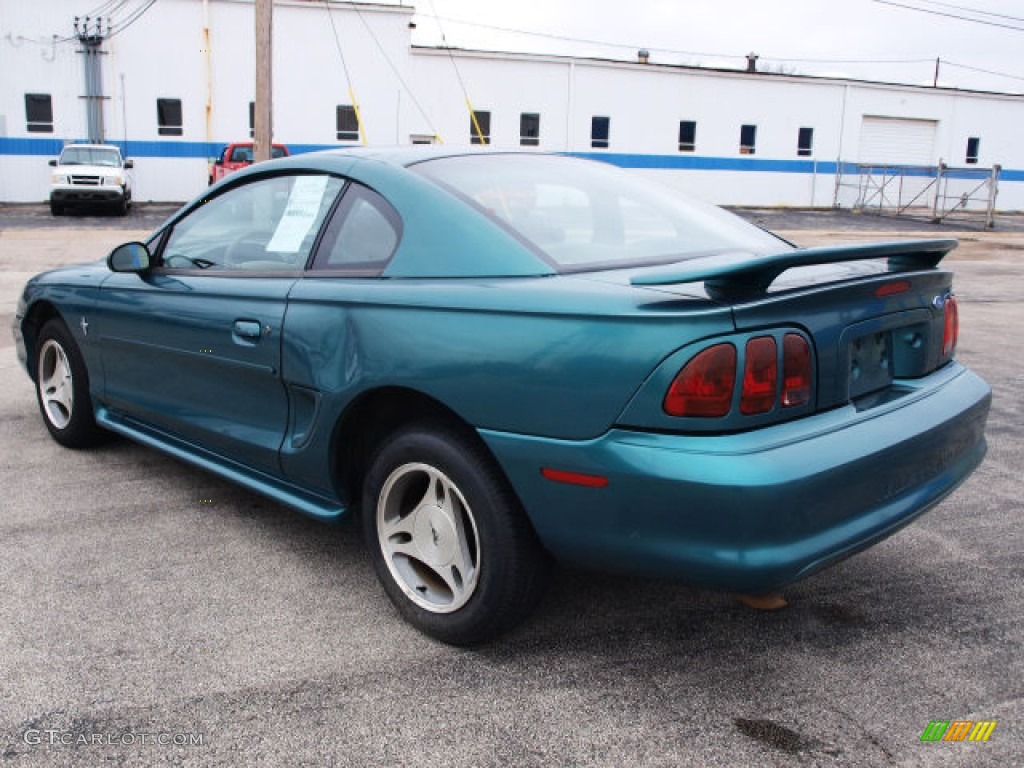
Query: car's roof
92, 146
251, 144
410, 155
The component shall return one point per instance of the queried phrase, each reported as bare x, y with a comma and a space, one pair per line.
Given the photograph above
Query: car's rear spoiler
737, 274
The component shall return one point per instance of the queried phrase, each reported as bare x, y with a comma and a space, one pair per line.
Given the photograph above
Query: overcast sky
785, 33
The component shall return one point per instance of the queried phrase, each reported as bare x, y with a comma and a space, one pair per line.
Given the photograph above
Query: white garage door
897, 141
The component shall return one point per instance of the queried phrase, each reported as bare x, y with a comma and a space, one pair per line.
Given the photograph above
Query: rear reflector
900, 286
704, 386
574, 478
951, 329
759, 375
796, 371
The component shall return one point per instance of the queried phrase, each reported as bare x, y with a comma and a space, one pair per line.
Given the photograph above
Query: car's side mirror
129, 163
130, 257
53, 163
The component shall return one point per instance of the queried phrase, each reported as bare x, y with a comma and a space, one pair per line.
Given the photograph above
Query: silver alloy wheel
56, 388
429, 538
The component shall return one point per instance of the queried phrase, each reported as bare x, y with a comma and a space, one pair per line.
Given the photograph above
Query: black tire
62, 388
55, 209
496, 558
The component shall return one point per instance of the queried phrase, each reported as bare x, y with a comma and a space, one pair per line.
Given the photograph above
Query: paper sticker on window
299, 215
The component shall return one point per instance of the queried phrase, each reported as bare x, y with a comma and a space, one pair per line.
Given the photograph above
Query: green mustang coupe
492, 359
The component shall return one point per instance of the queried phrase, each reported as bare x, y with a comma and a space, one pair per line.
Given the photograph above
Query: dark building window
252, 119
39, 112
347, 123
748, 139
805, 142
973, 145
600, 128
687, 135
529, 129
481, 135
168, 117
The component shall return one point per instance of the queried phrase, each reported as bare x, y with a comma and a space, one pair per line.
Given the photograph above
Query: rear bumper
757, 510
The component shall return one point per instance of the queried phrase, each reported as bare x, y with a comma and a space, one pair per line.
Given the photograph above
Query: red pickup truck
239, 155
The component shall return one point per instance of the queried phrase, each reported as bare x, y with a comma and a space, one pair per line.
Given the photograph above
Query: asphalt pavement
152, 614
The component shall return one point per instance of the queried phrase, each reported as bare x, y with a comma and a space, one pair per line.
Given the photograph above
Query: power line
472, 112
972, 10
348, 78
589, 41
566, 38
117, 28
978, 69
848, 61
337, 42
397, 74
949, 15
102, 9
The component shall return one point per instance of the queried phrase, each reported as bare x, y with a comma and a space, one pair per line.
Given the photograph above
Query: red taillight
759, 374
704, 386
796, 371
951, 330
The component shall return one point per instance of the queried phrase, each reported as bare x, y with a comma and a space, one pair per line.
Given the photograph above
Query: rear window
585, 215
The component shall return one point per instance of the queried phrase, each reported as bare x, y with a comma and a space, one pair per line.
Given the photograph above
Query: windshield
587, 215
110, 158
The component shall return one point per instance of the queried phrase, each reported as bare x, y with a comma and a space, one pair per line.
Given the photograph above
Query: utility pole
935, 81
263, 130
91, 33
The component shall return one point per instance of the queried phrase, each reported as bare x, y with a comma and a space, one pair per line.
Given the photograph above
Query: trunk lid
874, 313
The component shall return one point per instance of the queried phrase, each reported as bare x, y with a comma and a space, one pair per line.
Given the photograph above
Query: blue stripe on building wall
203, 149
702, 163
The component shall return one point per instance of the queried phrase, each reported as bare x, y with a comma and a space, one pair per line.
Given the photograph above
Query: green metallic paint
559, 371
740, 273
755, 510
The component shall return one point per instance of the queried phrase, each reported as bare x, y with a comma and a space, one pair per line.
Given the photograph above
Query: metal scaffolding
935, 192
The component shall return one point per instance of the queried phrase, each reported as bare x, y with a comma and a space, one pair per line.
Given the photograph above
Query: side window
600, 128
529, 129
973, 144
168, 117
265, 225
687, 135
805, 142
748, 139
362, 235
347, 123
39, 113
241, 155
480, 127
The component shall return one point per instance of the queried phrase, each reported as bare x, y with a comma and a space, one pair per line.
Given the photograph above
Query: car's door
192, 347
326, 360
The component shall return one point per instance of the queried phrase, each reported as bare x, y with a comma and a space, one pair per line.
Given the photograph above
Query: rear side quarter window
361, 236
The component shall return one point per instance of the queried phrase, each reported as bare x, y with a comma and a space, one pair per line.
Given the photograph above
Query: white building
177, 83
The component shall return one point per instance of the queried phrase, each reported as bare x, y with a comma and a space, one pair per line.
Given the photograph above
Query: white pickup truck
90, 174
